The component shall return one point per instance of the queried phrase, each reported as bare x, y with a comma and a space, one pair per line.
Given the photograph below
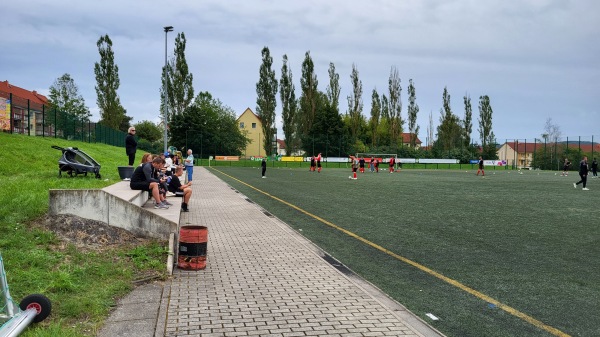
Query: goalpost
380, 157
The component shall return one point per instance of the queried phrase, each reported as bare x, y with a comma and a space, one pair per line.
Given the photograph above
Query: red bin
192, 247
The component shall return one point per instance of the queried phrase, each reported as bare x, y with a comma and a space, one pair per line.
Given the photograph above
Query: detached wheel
40, 303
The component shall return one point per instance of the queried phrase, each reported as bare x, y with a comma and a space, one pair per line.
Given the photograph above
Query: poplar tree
180, 89
112, 114
308, 100
413, 110
375, 115
266, 99
468, 121
333, 90
485, 127
355, 103
289, 107
395, 105
449, 130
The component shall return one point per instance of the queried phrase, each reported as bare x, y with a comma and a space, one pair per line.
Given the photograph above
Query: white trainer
574, 185
585, 189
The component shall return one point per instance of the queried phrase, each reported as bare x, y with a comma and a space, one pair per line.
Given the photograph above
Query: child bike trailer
75, 162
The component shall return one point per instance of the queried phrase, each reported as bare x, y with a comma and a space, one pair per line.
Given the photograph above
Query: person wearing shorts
143, 179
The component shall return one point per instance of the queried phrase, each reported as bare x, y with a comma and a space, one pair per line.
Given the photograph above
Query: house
281, 150
406, 140
27, 107
518, 154
251, 127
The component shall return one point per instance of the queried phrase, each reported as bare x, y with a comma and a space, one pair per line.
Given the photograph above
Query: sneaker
160, 206
585, 189
167, 203
264, 177
127, 179
575, 185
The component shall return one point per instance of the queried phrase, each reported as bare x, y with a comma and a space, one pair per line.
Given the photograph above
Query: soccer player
480, 167
392, 162
263, 166
372, 164
595, 168
376, 165
312, 164
319, 163
583, 172
361, 163
566, 167
354, 167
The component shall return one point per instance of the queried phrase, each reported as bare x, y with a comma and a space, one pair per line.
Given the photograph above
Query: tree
333, 90
148, 131
308, 100
107, 84
66, 101
449, 130
430, 139
266, 99
355, 103
327, 131
289, 107
488, 140
180, 89
395, 105
467, 122
208, 128
413, 110
375, 114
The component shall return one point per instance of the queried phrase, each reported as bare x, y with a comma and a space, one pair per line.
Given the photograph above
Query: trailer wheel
98, 176
40, 303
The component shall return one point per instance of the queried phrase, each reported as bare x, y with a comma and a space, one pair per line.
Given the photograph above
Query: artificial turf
530, 241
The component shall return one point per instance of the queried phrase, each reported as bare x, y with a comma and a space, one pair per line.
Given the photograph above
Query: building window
241, 125
254, 125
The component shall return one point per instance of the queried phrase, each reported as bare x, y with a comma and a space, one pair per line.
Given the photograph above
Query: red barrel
192, 247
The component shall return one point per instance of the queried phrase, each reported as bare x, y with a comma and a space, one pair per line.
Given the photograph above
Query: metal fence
22, 116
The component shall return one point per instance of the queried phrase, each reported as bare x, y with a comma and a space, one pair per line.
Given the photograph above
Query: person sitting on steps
142, 179
184, 191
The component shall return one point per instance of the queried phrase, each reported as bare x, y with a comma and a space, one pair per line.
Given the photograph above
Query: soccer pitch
506, 255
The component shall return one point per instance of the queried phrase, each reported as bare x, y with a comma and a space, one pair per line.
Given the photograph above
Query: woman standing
130, 145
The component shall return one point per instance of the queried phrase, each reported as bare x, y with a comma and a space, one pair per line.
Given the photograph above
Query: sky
535, 59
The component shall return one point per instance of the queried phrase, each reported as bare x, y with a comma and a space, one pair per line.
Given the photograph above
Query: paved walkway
262, 279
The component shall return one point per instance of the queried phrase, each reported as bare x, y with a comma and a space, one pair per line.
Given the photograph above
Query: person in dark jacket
583, 172
130, 145
594, 168
263, 165
143, 179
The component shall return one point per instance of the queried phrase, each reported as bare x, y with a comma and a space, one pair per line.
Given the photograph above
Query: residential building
518, 154
27, 108
406, 140
251, 126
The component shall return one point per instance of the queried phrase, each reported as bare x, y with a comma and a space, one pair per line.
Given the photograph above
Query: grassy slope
82, 285
530, 241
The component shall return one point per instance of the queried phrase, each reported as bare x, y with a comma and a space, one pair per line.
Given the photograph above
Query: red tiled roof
530, 147
525, 147
32, 96
406, 138
281, 143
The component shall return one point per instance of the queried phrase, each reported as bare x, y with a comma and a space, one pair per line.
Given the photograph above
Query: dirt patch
88, 234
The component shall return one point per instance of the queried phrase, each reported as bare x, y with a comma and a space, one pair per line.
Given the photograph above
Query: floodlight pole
165, 94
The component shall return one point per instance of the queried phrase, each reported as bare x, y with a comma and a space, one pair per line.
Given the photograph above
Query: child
184, 191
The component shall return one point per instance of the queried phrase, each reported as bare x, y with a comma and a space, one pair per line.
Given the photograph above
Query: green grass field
529, 241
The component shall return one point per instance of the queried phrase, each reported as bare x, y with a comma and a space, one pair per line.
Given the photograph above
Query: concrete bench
119, 206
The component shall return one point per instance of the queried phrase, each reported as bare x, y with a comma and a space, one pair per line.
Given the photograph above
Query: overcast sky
535, 59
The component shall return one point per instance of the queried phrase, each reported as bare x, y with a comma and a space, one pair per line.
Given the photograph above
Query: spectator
184, 191
130, 145
146, 158
263, 165
143, 179
595, 168
168, 164
189, 164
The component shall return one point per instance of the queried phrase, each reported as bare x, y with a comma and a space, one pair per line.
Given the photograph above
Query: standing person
263, 166
312, 164
566, 167
319, 163
189, 164
372, 164
168, 164
130, 145
376, 165
392, 161
594, 168
355, 164
361, 164
480, 167
583, 172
